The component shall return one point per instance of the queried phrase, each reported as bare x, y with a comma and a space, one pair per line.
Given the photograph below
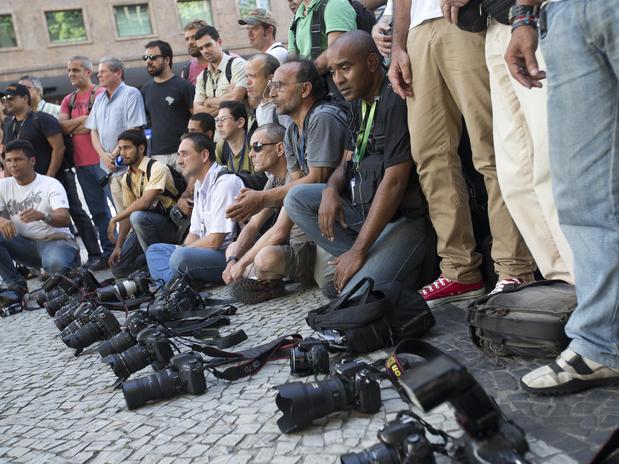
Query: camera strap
247, 362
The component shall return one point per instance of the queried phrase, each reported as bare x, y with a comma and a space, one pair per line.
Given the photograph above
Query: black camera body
352, 387
309, 357
134, 324
402, 440
185, 374
66, 315
136, 284
56, 291
81, 316
10, 309
152, 347
102, 325
176, 298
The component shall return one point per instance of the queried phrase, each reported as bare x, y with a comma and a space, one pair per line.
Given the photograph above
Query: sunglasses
151, 57
258, 146
8, 98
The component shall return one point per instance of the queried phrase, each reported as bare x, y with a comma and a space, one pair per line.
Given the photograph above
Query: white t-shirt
422, 10
44, 194
278, 51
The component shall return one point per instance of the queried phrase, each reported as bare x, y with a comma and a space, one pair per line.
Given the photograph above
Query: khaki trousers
450, 80
522, 160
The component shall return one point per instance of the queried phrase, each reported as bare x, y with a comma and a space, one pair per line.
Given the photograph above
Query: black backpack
527, 321
382, 316
365, 22
251, 180
179, 181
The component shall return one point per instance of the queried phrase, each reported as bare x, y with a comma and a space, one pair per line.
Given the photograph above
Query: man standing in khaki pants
442, 72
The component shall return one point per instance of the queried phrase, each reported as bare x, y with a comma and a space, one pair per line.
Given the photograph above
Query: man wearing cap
261, 31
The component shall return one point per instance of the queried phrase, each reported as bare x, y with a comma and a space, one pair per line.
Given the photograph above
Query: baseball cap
16, 89
258, 16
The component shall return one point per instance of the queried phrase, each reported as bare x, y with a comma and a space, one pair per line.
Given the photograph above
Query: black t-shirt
35, 128
167, 105
388, 145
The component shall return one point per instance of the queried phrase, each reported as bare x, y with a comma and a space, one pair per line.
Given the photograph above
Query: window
245, 6
66, 26
189, 10
8, 39
132, 20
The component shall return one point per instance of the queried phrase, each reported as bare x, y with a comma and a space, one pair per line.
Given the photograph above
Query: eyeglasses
258, 146
151, 57
279, 85
222, 119
8, 98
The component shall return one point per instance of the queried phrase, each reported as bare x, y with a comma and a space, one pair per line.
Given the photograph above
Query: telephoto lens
65, 315
185, 374
309, 357
81, 316
153, 348
11, 309
352, 387
102, 326
52, 306
134, 324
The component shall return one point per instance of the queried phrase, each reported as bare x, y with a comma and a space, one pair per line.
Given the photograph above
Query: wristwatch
232, 258
47, 218
524, 15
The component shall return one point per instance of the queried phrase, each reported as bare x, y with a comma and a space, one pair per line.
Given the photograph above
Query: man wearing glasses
168, 101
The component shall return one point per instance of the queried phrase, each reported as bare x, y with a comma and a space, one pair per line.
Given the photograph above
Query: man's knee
303, 197
59, 262
269, 260
178, 258
139, 219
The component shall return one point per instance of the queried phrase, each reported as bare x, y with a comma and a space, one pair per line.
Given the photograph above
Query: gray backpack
526, 321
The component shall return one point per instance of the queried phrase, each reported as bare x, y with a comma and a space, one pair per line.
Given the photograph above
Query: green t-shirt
340, 16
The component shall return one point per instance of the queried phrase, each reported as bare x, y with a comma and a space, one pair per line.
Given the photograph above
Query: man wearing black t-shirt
45, 134
168, 101
374, 194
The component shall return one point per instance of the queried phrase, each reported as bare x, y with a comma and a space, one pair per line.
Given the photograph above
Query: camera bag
527, 321
379, 317
473, 17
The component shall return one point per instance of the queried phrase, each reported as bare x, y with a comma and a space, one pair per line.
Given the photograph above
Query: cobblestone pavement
57, 408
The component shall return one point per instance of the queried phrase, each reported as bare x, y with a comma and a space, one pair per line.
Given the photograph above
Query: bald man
371, 214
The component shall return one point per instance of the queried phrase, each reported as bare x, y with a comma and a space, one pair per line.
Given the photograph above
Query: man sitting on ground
374, 193
149, 192
36, 233
202, 257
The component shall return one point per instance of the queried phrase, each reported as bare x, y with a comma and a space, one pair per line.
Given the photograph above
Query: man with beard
261, 31
197, 64
168, 100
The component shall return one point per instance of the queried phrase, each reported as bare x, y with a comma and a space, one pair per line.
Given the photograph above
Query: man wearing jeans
149, 192
580, 42
202, 257
374, 194
34, 229
74, 112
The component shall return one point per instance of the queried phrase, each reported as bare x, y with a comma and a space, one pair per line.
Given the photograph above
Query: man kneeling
36, 233
202, 257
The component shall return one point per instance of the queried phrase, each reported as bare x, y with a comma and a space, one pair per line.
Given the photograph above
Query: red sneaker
443, 290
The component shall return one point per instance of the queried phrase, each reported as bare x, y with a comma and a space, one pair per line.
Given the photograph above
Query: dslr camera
134, 324
136, 284
81, 316
185, 374
65, 315
10, 309
402, 440
352, 387
176, 297
152, 347
102, 325
309, 357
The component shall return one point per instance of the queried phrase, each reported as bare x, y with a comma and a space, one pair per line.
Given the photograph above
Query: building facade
38, 36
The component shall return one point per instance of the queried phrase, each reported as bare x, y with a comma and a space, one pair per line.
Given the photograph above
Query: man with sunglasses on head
168, 101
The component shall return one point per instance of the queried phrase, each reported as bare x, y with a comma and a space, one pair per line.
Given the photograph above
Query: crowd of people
337, 158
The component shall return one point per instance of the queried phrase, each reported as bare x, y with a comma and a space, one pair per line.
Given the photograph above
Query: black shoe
97, 263
251, 291
330, 291
12, 294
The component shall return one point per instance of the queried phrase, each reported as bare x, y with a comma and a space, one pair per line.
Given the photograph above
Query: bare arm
248, 235
73, 126
58, 148
141, 204
400, 73
213, 241
211, 105
59, 217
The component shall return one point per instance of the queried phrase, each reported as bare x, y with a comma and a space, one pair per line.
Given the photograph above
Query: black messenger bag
527, 321
381, 316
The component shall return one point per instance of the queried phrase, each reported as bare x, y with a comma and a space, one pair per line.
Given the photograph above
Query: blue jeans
52, 255
582, 57
397, 254
96, 199
204, 264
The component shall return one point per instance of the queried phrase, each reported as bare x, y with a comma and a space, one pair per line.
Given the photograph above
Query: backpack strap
92, 97
317, 29
72, 101
185, 70
229, 68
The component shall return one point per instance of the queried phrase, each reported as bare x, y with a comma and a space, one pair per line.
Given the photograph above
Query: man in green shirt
340, 17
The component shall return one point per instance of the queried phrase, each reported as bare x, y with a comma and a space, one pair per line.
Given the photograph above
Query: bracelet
232, 258
523, 15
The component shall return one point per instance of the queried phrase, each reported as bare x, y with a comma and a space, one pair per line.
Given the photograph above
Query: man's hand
108, 161
451, 9
7, 229
236, 271
247, 203
114, 257
226, 276
31, 215
400, 73
330, 210
185, 205
381, 33
111, 230
520, 57
346, 266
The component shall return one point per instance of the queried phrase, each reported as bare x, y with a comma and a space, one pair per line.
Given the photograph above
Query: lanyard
301, 153
230, 157
364, 134
214, 83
